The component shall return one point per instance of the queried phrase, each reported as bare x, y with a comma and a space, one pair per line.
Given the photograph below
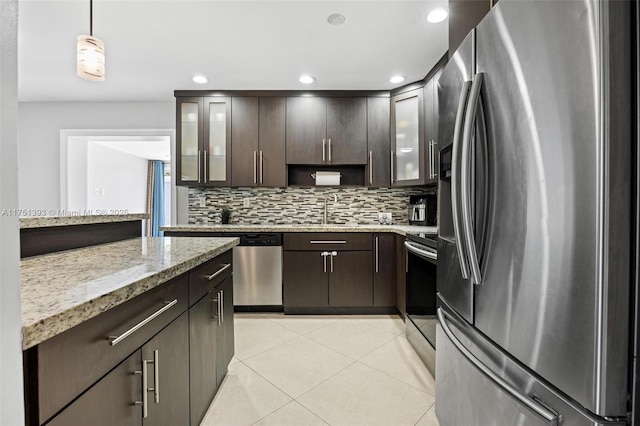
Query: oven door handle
415, 249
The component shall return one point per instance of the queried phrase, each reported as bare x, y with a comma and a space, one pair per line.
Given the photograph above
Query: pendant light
90, 58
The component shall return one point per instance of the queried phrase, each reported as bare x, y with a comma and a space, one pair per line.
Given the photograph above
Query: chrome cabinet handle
261, 168
370, 167
219, 271
377, 256
156, 376
214, 314
435, 159
550, 417
219, 316
465, 166
455, 170
392, 180
329, 140
255, 167
324, 255
199, 165
145, 386
114, 340
206, 171
327, 242
221, 306
324, 149
333, 253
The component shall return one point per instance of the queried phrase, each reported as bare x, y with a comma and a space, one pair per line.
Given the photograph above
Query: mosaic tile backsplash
300, 205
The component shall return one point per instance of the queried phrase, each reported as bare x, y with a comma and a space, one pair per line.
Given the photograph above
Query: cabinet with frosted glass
408, 153
203, 141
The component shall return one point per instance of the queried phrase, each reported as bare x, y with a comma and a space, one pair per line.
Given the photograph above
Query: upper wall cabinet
258, 141
326, 130
407, 138
464, 15
378, 170
203, 144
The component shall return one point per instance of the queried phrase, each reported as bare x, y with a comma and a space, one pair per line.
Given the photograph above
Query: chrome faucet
326, 197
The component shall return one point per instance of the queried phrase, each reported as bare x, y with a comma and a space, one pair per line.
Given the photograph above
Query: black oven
422, 265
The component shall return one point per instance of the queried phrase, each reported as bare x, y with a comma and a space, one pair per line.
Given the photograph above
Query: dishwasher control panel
261, 240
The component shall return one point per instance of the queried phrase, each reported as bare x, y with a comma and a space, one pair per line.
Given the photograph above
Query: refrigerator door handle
465, 178
549, 416
455, 178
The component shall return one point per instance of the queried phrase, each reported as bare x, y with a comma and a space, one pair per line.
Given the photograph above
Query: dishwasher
257, 273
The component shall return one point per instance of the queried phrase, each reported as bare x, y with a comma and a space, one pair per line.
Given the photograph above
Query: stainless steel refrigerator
535, 220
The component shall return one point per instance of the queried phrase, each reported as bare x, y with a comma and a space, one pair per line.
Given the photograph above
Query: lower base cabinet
120, 398
211, 335
164, 371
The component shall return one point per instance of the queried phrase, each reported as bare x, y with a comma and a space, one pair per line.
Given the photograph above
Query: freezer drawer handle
550, 417
219, 271
114, 340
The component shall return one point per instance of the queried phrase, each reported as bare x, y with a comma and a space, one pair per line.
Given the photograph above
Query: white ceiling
154, 47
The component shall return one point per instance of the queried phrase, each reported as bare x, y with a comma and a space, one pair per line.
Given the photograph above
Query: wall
300, 205
39, 128
11, 402
121, 180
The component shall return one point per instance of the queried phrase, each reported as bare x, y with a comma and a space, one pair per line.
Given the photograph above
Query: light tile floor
323, 370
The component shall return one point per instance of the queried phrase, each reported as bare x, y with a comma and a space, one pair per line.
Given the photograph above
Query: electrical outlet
385, 218
203, 202
246, 202
96, 192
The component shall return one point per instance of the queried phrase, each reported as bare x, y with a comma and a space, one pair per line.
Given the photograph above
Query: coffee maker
423, 209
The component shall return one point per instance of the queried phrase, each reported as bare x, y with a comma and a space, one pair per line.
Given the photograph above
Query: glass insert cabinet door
190, 136
408, 138
217, 141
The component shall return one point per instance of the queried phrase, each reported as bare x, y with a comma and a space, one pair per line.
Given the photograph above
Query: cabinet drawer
207, 276
59, 369
328, 241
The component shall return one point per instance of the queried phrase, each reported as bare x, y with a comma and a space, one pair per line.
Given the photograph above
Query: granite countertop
61, 290
398, 229
72, 219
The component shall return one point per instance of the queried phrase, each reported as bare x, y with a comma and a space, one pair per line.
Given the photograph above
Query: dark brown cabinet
110, 401
431, 130
408, 153
350, 278
464, 15
326, 130
379, 162
203, 141
258, 141
121, 398
401, 276
148, 361
384, 269
210, 333
327, 270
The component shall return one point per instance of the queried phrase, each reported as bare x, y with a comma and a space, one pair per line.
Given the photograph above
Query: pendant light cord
91, 18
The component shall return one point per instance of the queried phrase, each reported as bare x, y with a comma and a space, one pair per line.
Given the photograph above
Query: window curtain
155, 198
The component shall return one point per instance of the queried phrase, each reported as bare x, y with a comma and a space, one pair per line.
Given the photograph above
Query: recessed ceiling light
336, 19
306, 79
397, 79
437, 15
200, 79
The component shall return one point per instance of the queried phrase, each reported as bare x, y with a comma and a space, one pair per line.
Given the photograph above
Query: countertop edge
37, 332
86, 219
397, 229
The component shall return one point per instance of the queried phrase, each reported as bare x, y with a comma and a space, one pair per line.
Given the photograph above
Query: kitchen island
93, 316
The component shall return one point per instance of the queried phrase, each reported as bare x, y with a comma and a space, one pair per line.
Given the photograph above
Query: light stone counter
61, 290
398, 229
71, 219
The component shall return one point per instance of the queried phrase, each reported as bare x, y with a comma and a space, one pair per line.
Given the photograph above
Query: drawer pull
327, 242
114, 340
219, 271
